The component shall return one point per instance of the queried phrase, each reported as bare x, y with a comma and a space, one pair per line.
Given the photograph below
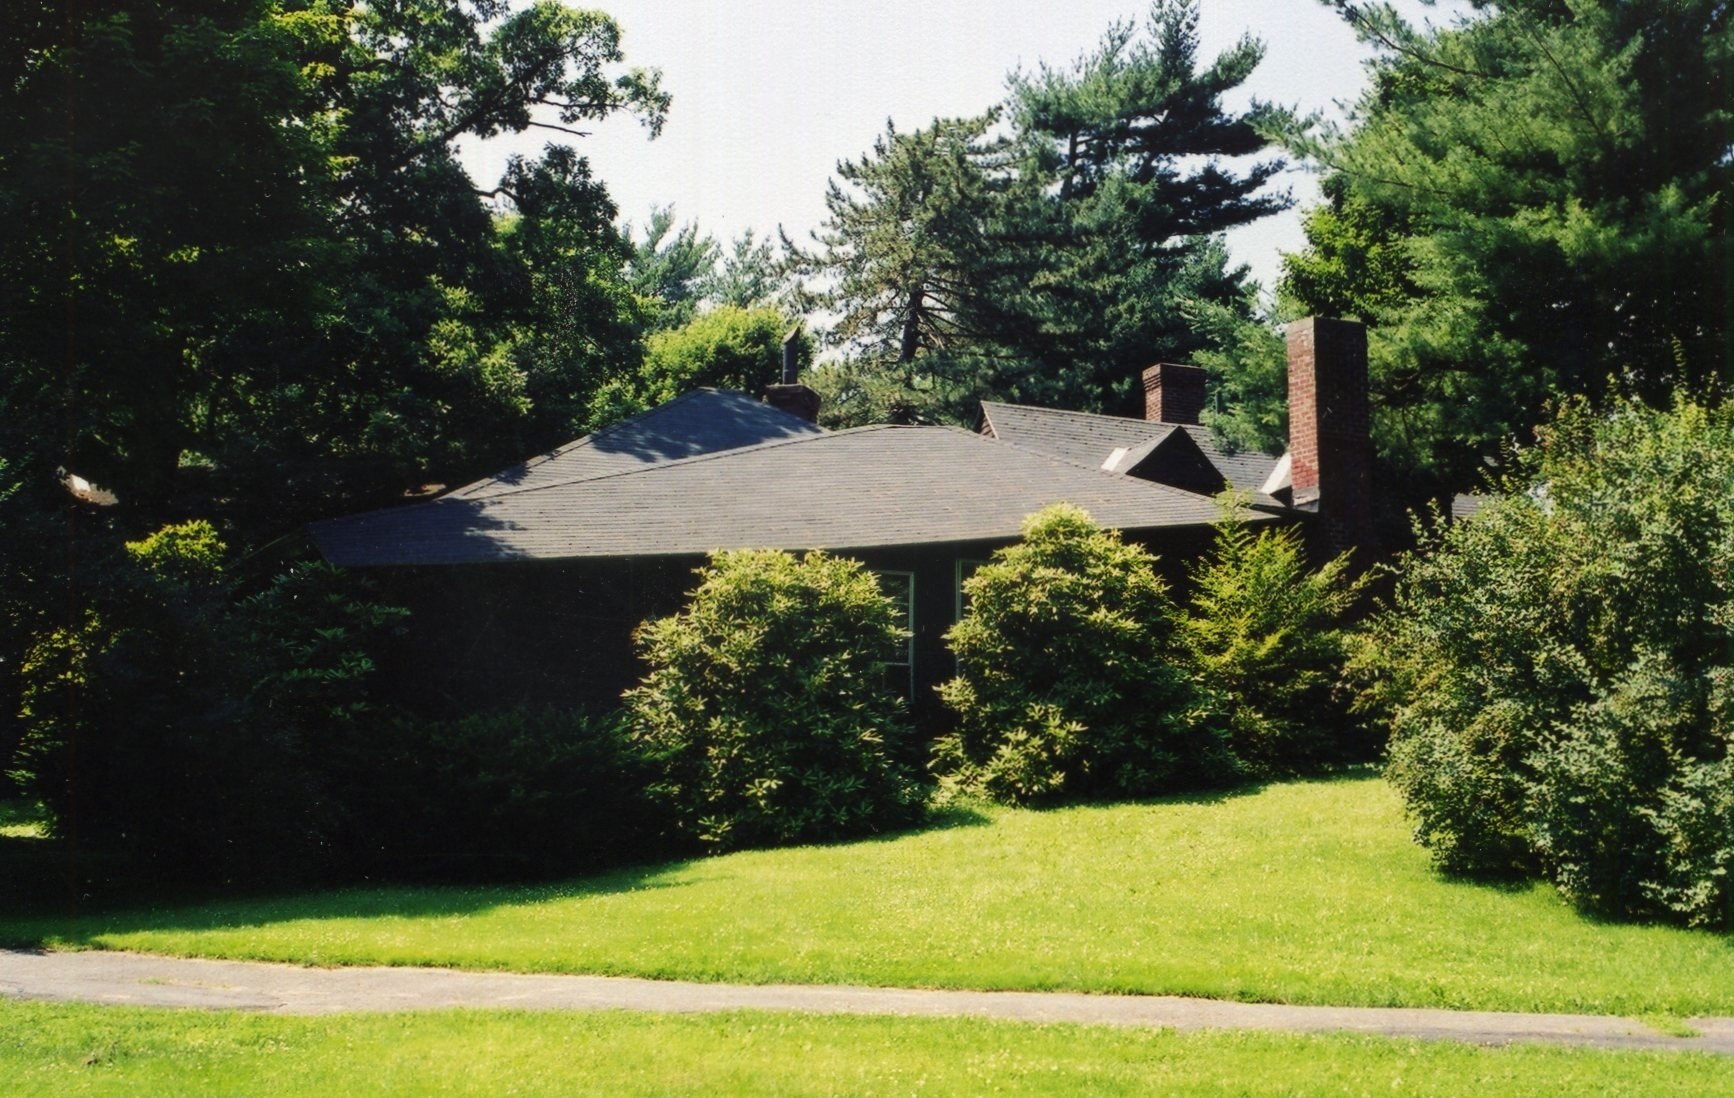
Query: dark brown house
526, 586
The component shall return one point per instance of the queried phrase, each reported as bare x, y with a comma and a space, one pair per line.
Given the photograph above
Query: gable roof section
1089, 439
1079, 437
1174, 459
703, 421
857, 489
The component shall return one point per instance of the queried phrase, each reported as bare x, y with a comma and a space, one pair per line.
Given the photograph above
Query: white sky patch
770, 94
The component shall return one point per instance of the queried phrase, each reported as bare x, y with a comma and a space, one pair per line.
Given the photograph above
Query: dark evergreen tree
1123, 186
672, 266
904, 253
1529, 204
1047, 250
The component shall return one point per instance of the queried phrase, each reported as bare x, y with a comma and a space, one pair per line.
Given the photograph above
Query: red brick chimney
1330, 449
1173, 393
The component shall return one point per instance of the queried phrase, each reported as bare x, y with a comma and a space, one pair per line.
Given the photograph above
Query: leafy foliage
1525, 204
1068, 684
726, 347
272, 279
1262, 636
764, 707
195, 736
243, 276
509, 793
1555, 670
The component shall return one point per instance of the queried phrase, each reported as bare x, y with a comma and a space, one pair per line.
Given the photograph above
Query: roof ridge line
1074, 412
567, 447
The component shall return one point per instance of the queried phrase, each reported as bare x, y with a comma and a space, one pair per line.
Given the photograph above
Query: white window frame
908, 607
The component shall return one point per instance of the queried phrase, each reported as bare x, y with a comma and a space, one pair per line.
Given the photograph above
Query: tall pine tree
1047, 250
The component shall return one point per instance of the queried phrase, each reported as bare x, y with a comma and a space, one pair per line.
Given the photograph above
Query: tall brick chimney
1173, 393
1330, 449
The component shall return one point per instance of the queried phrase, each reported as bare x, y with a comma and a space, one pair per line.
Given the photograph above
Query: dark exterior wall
495, 636
560, 633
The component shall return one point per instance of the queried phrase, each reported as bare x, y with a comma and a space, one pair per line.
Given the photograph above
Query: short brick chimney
791, 396
1330, 448
1173, 393
797, 400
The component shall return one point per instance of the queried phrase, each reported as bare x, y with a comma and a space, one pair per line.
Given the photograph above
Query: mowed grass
1307, 892
73, 1050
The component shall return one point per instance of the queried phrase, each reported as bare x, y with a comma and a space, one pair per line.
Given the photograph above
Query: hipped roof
858, 489
703, 421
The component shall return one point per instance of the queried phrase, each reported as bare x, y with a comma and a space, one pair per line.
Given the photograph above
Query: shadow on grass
33, 874
206, 909
71, 917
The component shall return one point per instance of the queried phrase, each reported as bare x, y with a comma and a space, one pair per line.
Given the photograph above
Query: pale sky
770, 94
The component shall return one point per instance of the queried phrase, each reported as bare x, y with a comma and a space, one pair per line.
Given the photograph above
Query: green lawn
1308, 892
20, 819
66, 1050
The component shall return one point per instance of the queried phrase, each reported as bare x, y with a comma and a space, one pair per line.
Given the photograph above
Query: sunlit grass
21, 819
71, 1050
1309, 892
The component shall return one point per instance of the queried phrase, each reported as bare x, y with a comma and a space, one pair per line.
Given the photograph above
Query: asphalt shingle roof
857, 489
704, 421
1088, 439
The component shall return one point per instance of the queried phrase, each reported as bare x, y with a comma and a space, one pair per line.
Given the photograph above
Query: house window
899, 587
963, 570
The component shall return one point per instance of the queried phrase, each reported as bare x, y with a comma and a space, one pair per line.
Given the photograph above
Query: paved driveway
139, 980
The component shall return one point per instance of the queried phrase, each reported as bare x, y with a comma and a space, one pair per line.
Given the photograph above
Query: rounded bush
1555, 670
1068, 683
765, 708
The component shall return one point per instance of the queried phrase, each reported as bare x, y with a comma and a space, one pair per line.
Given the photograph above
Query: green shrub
508, 794
194, 736
306, 642
765, 709
1261, 636
131, 719
1555, 671
1068, 683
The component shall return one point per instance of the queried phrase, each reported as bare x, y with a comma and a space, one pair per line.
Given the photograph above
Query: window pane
899, 587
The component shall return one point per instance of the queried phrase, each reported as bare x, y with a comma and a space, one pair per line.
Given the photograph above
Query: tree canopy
243, 277
274, 273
